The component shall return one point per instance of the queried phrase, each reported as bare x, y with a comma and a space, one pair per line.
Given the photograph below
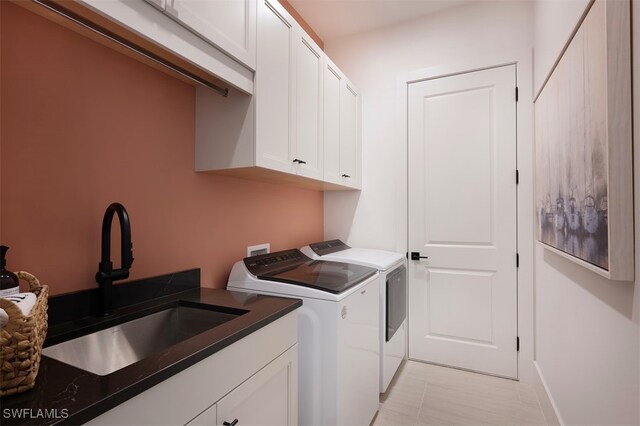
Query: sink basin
111, 349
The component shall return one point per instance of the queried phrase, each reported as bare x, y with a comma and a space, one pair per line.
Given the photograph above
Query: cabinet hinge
517, 260
516, 93
517, 177
518, 344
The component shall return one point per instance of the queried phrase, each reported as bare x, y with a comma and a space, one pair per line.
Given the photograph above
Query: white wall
587, 328
550, 18
376, 61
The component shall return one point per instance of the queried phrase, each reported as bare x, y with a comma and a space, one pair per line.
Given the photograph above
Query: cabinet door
308, 141
331, 127
275, 87
349, 135
208, 417
160, 4
269, 397
228, 24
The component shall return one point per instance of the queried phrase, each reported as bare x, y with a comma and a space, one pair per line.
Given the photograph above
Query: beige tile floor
425, 394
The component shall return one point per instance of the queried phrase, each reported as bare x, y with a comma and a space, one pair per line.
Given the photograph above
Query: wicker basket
21, 340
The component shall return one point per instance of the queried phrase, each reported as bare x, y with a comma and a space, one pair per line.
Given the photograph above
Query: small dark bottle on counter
9, 283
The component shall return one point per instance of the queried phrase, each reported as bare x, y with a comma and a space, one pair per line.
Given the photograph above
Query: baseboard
548, 405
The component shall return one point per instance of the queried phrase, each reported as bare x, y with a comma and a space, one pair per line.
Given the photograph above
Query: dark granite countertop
67, 395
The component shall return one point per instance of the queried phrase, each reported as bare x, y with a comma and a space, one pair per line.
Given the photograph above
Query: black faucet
106, 274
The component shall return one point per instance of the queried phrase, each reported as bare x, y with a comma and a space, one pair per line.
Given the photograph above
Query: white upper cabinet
222, 43
275, 87
302, 126
160, 4
341, 128
288, 95
349, 135
228, 24
291, 116
333, 80
308, 107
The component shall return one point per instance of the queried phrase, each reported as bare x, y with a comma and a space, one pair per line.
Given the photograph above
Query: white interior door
462, 216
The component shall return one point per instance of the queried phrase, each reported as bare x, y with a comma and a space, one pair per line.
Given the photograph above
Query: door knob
416, 256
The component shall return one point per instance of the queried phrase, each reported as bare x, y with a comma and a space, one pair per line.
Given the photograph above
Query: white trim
522, 58
538, 90
489, 60
547, 403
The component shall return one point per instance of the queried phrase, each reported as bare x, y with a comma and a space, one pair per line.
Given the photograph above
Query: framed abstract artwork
584, 151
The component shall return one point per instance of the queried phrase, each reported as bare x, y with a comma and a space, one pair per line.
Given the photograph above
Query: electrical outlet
259, 249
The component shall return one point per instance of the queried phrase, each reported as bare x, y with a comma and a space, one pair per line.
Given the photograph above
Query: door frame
522, 59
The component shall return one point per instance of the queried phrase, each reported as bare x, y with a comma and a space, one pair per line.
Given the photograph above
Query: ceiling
332, 19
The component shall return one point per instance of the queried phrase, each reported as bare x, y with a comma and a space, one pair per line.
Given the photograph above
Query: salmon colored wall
83, 126
305, 26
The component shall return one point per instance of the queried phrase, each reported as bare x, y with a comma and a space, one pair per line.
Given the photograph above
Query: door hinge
517, 94
517, 177
517, 260
518, 344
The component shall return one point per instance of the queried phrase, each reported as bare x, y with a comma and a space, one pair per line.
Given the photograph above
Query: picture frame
584, 148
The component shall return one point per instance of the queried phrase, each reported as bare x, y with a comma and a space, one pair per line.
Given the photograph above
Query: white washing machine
337, 331
392, 270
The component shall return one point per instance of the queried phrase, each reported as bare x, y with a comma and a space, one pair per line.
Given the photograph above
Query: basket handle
34, 284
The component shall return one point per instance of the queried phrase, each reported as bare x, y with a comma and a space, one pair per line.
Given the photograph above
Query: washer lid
379, 259
332, 277
293, 267
337, 251
328, 247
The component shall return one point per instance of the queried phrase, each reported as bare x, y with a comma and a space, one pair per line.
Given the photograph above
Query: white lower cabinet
253, 381
266, 398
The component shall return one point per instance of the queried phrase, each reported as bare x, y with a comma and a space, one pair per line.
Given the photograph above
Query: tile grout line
538, 405
424, 393
515, 412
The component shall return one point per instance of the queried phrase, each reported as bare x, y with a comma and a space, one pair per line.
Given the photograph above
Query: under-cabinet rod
129, 45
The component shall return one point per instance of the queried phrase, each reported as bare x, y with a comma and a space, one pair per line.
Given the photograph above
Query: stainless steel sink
111, 349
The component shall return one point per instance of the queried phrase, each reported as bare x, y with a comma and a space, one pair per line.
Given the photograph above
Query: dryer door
396, 300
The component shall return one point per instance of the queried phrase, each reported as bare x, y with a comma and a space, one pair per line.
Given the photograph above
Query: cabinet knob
299, 161
346, 176
233, 423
